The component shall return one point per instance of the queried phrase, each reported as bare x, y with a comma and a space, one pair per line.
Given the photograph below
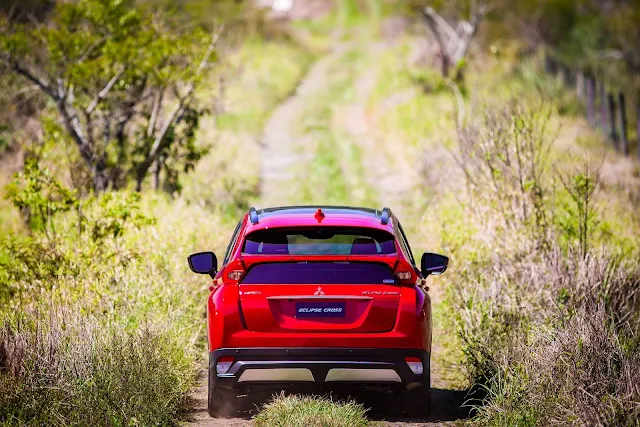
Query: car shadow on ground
446, 405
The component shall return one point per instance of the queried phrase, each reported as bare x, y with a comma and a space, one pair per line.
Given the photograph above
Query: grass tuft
311, 411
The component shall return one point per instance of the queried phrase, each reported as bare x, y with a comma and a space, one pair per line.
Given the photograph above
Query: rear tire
416, 403
221, 402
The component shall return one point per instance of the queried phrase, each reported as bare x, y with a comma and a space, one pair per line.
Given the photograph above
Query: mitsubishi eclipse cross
320, 298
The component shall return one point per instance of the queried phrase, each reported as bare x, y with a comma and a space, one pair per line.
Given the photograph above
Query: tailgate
325, 296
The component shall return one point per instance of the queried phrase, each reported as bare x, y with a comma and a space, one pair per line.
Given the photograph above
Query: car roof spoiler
384, 215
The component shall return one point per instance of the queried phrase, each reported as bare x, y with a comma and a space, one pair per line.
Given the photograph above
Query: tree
121, 80
454, 43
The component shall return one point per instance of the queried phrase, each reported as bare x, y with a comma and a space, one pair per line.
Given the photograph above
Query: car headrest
278, 245
363, 246
251, 247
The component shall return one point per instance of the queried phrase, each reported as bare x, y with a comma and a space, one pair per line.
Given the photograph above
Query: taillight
415, 365
235, 271
223, 364
405, 274
235, 275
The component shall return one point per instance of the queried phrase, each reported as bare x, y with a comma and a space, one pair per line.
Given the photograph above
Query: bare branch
155, 148
103, 93
90, 49
439, 21
433, 26
157, 102
24, 90
29, 75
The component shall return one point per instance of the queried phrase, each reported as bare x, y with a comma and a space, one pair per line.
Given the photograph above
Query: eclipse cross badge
319, 291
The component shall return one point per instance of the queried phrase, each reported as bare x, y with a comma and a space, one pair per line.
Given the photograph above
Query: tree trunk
613, 134
156, 174
604, 126
100, 180
446, 64
139, 179
624, 140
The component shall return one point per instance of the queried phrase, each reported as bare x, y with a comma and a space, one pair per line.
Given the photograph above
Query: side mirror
433, 264
203, 263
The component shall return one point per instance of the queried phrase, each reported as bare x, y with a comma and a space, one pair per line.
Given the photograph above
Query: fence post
603, 108
548, 66
624, 140
580, 84
638, 126
613, 134
591, 98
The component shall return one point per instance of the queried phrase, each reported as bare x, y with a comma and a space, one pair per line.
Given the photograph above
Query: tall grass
546, 303
67, 368
104, 321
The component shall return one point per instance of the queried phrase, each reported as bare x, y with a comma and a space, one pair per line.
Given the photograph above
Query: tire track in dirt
395, 181
286, 157
286, 153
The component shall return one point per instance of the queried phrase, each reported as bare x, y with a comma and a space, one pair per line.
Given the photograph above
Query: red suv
323, 297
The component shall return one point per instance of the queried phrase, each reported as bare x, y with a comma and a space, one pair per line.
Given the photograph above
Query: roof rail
253, 215
384, 216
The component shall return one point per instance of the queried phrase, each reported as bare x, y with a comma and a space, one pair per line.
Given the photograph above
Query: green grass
309, 411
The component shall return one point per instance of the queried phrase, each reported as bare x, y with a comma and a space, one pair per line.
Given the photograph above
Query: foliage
598, 36
98, 321
580, 213
39, 196
310, 411
122, 81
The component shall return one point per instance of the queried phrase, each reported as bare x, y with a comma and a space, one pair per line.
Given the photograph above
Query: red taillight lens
404, 273
223, 364
235, 275
235, 271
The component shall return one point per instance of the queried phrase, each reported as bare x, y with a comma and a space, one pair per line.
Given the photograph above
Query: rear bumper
319, 368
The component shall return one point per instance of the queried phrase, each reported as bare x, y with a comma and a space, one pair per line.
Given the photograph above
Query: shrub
500, 301
504, 156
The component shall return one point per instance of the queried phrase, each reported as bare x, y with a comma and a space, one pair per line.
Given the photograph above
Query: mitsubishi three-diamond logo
319, 291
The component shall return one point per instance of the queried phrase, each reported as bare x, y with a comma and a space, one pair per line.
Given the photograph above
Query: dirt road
286, 157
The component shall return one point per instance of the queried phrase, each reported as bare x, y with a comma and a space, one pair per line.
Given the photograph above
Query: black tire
221, 402
416, 403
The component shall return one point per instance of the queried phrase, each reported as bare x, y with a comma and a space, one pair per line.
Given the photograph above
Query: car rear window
290, 273
320, 241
